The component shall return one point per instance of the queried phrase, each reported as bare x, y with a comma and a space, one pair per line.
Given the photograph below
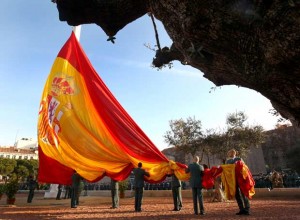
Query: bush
123, 185
11, 188
2, 189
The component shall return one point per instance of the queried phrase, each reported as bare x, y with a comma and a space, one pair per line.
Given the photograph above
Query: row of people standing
197, 172
195, 169
67, 189
139, 174
32, 185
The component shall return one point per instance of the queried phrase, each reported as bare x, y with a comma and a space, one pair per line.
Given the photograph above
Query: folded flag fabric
237, 173
208, 179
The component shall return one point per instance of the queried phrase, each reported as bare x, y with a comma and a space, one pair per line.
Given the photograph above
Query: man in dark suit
76, 179
114, 187
68, 192
139, 174
32, 184
59, 188
241, 199
176, 192
196, 171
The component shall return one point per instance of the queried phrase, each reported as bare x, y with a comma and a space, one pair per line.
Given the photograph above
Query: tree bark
249, 43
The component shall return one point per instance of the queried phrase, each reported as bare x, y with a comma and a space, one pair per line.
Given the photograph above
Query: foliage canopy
188, 137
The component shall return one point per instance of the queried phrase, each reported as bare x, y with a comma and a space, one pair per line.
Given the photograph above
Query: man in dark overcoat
241, 199
176, 192
32, 184
139, 175
114, 188
76, 179
196, 171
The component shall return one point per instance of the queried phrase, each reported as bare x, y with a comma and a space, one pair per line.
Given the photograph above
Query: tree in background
185, 135
7, 166
21, 172
213, 143
19, 169
237, 135
30, 165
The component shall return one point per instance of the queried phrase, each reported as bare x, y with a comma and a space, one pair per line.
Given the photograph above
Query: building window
26, 157
31, 158
14, 156
2, 156
20, 157
8, 156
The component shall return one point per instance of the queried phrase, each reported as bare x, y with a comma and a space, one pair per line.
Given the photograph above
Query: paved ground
95, 207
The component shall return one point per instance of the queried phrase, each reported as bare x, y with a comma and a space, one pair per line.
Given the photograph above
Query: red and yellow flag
240, 174
82, 127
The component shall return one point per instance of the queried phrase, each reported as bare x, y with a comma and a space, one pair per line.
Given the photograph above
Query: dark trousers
58, 194
197, 196
242, 200
115, 198
68, 193
30, 195
138, 198
177, 199
74, 197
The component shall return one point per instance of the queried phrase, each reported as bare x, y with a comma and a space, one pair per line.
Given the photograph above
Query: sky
31, 37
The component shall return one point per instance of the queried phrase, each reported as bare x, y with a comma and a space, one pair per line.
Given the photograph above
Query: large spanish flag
82, 127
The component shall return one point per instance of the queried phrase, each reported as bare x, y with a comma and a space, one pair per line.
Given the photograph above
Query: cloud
177, 69
188, 72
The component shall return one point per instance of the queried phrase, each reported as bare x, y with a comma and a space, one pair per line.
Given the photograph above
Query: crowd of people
278, 179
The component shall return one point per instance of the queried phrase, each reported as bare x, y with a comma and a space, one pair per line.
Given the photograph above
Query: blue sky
31, 37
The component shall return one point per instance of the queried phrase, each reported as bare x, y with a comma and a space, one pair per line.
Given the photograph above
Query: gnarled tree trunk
249, 43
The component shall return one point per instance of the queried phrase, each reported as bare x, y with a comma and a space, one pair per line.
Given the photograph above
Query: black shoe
73, 206
241, 212
202, 213
246, 212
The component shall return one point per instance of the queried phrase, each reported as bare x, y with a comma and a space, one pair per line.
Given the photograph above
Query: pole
77, 31
52, 193
16, 138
